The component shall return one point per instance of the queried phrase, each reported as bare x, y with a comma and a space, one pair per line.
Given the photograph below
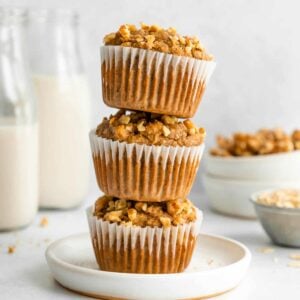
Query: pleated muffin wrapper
142, 172
135, 249
153, 81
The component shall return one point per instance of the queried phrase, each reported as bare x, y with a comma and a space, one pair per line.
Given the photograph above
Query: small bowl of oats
279, 214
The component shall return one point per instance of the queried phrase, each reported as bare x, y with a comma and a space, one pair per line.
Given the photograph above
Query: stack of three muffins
146, 159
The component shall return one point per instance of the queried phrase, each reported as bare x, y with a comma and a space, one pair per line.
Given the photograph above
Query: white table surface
25, 275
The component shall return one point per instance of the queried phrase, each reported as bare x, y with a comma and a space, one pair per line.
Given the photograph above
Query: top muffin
155, 70
150, 129
153, 37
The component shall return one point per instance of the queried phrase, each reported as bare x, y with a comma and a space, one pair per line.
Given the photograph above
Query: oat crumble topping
150, 129
160, 214
153, 37
288, 198
264, 141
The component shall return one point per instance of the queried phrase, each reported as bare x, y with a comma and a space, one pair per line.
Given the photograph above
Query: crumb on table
294, 256
294, 264
266, 250
44, 222
11, 249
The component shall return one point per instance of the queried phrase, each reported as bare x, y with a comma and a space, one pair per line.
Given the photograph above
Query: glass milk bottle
18, 127
63, 108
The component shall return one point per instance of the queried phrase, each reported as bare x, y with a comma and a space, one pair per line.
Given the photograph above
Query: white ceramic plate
272, 167
218, 265
231, 197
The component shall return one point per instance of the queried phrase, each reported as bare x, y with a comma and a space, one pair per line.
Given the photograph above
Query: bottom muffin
142, 237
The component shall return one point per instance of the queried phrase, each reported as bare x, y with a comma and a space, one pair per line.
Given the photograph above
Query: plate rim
49, 254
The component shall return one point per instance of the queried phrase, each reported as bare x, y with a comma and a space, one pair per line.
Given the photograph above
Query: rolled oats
288, 198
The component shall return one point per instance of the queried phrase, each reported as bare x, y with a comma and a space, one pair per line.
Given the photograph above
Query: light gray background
256, 45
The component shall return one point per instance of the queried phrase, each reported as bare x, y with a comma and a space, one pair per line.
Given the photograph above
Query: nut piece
165, 221
141, 206
189, 124
132, 214
166, 131
124, 120
169, 120
120, 204
140, 126
192, 131
113, 216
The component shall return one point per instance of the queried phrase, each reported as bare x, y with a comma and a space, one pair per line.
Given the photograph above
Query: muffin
146, 157
154, 70
143, 237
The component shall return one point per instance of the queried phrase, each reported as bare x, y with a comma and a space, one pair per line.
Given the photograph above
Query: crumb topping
153, 214
153, 37
264, 141
287, 198
150, 129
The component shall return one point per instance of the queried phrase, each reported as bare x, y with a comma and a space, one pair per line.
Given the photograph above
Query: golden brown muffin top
288, 198
150, 129
153, 214
153, 37
264, 141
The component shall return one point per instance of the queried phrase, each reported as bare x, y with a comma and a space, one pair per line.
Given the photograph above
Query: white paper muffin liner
135, 249
153, 81
143, 172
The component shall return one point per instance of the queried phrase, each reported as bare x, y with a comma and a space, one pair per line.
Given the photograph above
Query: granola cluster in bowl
247, 162
267, 155
262, 142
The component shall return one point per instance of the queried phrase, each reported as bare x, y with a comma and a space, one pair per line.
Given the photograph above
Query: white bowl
272, 167
231, 196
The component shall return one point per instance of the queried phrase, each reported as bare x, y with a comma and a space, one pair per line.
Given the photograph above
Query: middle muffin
146, 157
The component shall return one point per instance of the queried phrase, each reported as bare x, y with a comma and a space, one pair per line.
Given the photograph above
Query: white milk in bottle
63, 108
18, 127
63, 116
